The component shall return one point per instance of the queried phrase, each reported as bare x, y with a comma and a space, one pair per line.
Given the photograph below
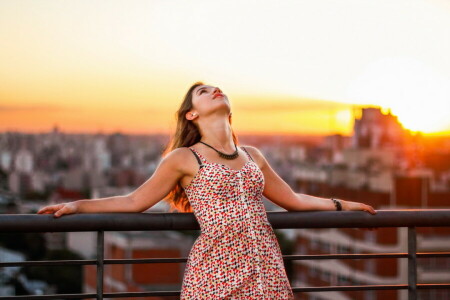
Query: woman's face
206, 98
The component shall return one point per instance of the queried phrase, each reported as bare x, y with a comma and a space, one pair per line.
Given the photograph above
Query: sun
415, 92
430, 120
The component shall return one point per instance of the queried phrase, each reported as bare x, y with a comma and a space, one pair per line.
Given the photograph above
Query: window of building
343, 249
325, 247
370, 237
343, 280
325, 276
370, 295
370, 266
301, 249
313, 271
314, 244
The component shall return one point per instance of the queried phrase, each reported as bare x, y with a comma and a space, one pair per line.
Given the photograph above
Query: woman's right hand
60, 209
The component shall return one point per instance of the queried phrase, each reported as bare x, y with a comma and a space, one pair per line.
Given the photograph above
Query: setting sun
418, 94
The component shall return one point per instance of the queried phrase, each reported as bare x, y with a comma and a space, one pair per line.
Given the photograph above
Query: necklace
224, 155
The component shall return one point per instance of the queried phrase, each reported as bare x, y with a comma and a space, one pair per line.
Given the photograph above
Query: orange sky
125, 66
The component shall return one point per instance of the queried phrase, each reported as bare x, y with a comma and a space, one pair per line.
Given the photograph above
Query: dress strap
200, 162
249, 156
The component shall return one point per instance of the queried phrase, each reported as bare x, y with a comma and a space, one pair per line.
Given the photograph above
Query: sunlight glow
416, 93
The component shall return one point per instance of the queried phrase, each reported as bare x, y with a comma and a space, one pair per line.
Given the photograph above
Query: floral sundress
237, 255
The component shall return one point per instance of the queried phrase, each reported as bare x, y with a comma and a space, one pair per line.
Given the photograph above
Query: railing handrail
187, 221
101, 222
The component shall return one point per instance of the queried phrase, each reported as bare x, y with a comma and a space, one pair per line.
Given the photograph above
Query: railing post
100, 259
412, 263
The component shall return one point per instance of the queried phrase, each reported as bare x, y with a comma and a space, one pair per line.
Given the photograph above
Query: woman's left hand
350, 205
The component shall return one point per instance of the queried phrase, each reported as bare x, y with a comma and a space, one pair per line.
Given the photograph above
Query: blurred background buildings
380, 164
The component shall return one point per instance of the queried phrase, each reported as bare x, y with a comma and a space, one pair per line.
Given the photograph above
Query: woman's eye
201, 91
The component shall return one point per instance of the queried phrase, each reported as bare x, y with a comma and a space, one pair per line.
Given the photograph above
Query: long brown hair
186, 134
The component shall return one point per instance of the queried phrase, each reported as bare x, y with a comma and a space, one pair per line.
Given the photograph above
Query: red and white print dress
237, 255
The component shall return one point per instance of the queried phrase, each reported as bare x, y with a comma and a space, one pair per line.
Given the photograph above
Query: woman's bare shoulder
256, 154
252, 149
183, 158
179, 154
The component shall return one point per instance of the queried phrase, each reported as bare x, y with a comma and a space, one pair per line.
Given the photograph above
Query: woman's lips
218, 95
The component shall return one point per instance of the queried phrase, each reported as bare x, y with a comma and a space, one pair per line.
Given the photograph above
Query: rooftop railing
410, 218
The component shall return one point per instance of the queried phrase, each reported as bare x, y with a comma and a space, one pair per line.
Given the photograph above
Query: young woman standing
237, 255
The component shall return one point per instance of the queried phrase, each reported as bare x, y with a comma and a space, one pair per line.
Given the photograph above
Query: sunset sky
286, 66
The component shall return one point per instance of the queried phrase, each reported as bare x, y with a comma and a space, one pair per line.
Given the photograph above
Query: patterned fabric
237, 255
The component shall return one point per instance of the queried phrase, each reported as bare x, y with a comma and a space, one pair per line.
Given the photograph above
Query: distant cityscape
381, 164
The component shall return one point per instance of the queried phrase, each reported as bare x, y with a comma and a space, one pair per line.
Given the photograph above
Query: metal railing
100, 223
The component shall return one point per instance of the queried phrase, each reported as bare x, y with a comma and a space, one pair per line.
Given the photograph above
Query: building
141, 277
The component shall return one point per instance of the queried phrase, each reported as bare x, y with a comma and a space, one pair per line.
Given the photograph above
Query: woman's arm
109, 204
163, 180
308, 202
280, 193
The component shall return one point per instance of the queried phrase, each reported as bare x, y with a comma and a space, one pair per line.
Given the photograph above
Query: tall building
377, 130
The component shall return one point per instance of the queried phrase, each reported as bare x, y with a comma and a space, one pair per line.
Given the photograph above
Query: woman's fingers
67, 208
58, 209
369, 209
350, 205
47, 209
365, 207
42, 210
61, 211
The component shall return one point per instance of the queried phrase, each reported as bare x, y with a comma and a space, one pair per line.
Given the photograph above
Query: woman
237, 255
